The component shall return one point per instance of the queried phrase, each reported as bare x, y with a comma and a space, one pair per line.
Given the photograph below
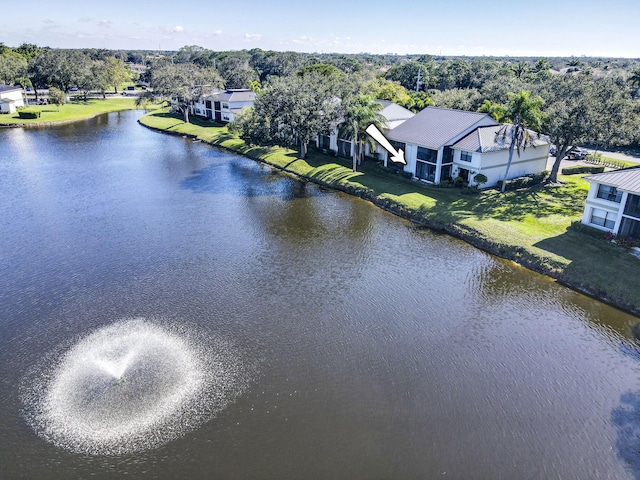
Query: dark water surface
378, 349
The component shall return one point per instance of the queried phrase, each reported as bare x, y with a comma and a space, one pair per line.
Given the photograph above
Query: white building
441, 144
224, 106
613, 202
10, 99
486, 150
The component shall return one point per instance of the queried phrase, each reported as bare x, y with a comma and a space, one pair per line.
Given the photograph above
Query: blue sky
458, 27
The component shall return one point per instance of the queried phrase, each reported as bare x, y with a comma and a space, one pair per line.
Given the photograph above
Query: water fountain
131, 386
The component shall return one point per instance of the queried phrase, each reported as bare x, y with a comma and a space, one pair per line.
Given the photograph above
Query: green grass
530, 226
75, 110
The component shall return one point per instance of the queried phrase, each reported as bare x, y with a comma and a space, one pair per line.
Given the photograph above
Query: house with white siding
486, 150
440, 144
10, 98
223, 106
613, 202
428, 137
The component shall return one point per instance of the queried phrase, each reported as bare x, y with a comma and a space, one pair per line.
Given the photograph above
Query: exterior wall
494, 164
593, 202
411, 154
10, 101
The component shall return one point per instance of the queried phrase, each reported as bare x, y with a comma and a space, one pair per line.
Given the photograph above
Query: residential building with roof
340, 140
10, 98
440, 144
486, 150
428, 137
613, 202
223, 106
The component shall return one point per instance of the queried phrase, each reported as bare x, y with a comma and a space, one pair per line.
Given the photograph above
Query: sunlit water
356, 345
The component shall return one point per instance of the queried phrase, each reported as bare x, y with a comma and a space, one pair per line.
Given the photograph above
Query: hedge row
582, 169
526, 181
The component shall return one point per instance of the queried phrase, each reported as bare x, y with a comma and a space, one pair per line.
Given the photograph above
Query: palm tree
524, 113
362, 111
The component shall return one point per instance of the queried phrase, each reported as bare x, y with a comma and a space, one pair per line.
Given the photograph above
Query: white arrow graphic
396, 156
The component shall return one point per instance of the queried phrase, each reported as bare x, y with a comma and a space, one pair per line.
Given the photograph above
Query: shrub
459, 182
624, 242
28, 114
523, 182
480, 179
582, 169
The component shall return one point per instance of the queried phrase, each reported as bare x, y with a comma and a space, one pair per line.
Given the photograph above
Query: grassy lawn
75, 110
531, 226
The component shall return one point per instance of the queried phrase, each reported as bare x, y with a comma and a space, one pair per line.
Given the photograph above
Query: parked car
577, 153
553, 150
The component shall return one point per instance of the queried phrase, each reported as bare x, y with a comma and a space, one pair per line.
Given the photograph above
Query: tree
57, 97
290, 111
407, 75
181, 84
114, 72
634, 81
12, 67
59, 68
496, 110
524, 112
361, 112
581, 109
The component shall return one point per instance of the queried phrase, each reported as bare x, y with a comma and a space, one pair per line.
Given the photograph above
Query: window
225, 106
447, 155
427, 155
426, 171
397, 146
325, 142
632, 208
629, 228
344, 149
603, 218
445, 172
610, 193
465, 157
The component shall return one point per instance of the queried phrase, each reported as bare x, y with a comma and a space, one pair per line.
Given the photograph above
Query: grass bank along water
536, 227
69, 112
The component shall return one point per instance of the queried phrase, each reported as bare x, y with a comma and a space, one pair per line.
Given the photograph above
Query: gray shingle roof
394, 113
240, 95
627, 179
490, 139
435, 127
8, 88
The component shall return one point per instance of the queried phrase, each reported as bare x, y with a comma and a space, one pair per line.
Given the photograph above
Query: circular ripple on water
131, 386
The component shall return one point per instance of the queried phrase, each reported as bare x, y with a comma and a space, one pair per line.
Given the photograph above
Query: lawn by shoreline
69, 112
536, 228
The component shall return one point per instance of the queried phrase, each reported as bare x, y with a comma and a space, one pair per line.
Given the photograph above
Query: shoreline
516, 254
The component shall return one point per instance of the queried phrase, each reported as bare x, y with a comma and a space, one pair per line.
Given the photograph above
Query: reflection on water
382, 350
626, 418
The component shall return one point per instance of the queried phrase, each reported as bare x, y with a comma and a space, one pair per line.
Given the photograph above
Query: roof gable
627, 179
436, 127
490, 139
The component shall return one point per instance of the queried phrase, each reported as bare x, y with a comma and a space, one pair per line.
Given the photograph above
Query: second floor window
607, 192
465, 157
427, 155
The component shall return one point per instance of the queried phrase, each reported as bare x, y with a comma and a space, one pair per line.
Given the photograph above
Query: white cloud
104, 23
252, 36
218, 32
85, 19
178, 28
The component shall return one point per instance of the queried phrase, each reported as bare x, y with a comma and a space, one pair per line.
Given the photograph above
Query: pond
171, 310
